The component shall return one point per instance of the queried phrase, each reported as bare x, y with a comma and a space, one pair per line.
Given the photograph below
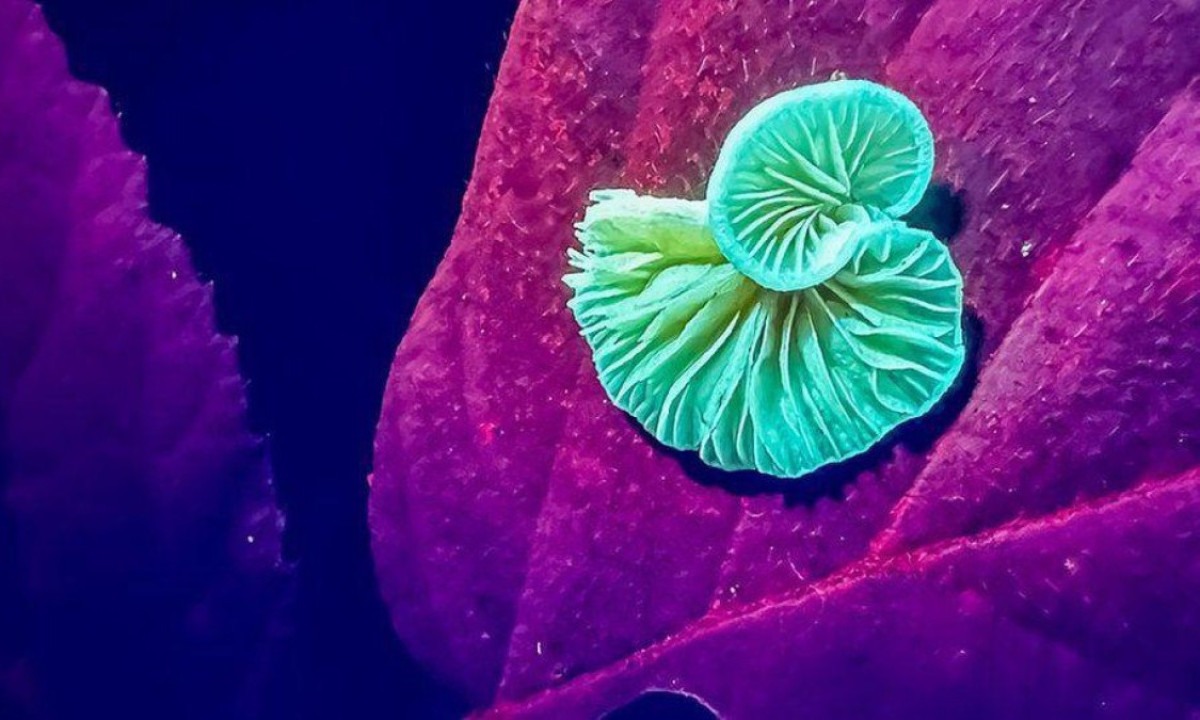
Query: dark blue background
314, 154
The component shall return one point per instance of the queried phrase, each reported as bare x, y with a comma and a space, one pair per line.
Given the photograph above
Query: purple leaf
1073, 615
141, 564
540, 553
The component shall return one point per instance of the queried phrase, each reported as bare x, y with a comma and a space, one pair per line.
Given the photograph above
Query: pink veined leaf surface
141, 568
548, 560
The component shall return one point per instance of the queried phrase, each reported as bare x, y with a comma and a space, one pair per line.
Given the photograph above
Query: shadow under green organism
940, 212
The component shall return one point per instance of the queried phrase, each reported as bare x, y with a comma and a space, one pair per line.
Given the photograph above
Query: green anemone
708, 357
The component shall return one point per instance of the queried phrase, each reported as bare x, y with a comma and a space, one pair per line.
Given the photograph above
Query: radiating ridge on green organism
803, 165
708, 357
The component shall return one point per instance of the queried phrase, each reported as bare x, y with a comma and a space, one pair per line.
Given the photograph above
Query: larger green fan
707, 357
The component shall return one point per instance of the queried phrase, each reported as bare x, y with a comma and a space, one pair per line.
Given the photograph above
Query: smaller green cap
802, 166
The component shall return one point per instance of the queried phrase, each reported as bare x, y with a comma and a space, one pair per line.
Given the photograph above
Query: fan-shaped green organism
779, 382
798, 170
708, 357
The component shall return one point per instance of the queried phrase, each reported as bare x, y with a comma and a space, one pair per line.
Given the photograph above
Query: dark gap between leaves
662, 705
281, 140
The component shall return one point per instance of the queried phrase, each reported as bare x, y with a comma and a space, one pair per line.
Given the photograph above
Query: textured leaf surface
782, 383
140, 542
1038, 559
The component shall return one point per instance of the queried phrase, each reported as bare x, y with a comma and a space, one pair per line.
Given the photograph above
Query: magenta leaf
141, 565
549, 560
